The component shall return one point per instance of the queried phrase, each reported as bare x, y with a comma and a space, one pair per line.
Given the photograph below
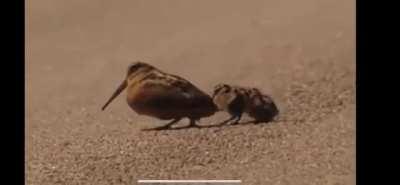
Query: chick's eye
215, 91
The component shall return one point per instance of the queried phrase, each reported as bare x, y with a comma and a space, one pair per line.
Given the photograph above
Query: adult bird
155, 93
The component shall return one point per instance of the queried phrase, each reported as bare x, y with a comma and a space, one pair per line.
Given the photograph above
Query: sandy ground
300, 52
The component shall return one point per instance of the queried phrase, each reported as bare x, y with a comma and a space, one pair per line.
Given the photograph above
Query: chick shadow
224, 124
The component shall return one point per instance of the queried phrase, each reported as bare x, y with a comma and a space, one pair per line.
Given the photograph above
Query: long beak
116, 93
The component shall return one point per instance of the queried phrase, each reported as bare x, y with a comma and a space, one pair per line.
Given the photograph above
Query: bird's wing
178, 94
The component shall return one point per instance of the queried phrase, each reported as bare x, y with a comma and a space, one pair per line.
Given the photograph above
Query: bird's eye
132, 69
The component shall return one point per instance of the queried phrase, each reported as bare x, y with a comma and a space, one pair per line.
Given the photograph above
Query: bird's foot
234, 122
223, 123
226, 121
165, 127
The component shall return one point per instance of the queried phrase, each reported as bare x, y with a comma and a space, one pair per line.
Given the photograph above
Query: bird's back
168, 96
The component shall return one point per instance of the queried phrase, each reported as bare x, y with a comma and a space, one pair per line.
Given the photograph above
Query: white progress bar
189, 181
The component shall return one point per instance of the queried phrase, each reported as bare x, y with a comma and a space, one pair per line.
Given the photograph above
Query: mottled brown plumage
237, 100
155, 93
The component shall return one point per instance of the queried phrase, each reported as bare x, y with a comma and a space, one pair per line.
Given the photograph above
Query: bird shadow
219, 125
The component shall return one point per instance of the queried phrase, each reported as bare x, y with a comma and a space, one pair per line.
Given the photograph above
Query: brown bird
237, 100
155, 93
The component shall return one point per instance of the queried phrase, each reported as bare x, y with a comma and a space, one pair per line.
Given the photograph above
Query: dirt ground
302, 53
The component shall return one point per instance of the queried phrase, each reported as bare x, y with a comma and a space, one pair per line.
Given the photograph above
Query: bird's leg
167, 126
193, 123
228, 120
238, 117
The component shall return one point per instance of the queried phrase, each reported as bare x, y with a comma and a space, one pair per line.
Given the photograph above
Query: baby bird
237, 100
155, 93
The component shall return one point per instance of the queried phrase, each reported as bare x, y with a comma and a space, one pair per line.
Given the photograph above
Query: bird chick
155, 93
237, 100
